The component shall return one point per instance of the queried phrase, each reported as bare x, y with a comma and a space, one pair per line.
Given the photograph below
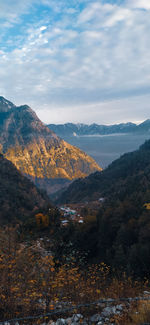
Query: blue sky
77, 60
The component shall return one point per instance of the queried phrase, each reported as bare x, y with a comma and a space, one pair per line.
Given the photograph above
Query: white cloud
104, 112
12, 9
90, 12
140, 4
75, 59
43, 28
119, 15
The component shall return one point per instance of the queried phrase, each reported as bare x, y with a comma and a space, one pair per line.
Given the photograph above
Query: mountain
19, 197
126, 176
144, 127
119, 234
70, 129
6, 105
37, 151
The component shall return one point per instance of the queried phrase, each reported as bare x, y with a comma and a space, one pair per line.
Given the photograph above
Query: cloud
12, 9
95, 11
139, 4
104, 112
74, 55
119, 15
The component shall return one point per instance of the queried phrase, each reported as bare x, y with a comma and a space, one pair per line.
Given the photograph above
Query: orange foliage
42, 220
31, 282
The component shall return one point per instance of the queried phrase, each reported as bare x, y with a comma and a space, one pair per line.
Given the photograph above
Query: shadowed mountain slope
125, 176
119, 235
18, 195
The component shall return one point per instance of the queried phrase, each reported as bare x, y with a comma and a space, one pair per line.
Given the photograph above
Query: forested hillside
19, 197
126, 176
120, 233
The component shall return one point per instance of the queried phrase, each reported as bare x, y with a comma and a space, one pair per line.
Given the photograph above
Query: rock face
37, 151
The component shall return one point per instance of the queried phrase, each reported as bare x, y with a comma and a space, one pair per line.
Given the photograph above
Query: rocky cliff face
37, 151
51, 158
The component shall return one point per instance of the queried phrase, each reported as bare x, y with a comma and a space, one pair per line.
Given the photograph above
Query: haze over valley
104, 143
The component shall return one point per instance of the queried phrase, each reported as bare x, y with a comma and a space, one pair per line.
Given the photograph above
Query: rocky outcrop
96, 319
51, 158
102, 318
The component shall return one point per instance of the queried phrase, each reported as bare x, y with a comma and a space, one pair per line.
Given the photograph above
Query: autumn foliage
33, 282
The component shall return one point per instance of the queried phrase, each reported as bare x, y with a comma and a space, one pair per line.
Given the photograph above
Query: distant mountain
19, 197
144, 127
126, 177
70, 129
37, 151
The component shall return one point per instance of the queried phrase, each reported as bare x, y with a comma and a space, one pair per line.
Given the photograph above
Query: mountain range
37, 151
70, 129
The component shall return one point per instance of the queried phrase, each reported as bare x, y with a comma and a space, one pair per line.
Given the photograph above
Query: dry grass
141, 313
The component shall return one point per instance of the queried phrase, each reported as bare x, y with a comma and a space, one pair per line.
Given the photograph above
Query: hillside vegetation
19, 197
120, 234
126, 176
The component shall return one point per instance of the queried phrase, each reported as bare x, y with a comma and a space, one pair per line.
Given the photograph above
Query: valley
104, 149
74, 162
81, 235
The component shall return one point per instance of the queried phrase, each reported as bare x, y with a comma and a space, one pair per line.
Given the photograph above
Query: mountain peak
145, 122
5, 105
25, 107
36, 150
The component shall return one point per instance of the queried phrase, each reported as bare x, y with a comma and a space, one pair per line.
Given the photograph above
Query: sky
78, 61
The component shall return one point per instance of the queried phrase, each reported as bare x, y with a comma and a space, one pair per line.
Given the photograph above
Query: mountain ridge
118, 179
80, 129
36, 150
6, 105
